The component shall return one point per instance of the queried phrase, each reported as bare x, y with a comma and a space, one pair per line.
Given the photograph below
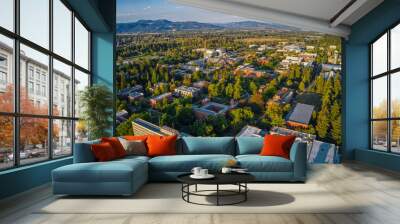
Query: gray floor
379, 189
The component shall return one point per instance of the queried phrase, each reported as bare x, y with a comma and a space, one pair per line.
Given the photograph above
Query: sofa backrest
207, 145
249, 145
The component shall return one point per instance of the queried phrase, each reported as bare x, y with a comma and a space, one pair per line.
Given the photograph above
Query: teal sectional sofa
125, 176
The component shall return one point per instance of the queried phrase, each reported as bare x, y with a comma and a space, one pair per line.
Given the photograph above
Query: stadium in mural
191, 72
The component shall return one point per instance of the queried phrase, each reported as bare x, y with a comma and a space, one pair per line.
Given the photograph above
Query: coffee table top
220, 178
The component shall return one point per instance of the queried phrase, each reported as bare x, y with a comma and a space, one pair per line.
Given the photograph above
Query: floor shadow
148, 191
256, 198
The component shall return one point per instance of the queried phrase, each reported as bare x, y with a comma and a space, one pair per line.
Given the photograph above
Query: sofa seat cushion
133, 157
185, 163
257, 163
112, 171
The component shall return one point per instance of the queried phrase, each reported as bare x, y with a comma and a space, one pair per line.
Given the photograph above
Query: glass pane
395, 94
7, 14
395, 129
81, 82
81, 131
34, 78
62, 138
6, 142
6, 74
35, 21
379, 97
62, 89
379, 56
33, 139
379, 135
62, 29
81, 45
395, 47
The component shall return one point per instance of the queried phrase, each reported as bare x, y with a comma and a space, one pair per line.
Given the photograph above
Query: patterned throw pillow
134, 147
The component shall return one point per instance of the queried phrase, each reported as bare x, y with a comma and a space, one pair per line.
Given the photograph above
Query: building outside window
56, 126
44, 77
3, 61
385, 95
38, 89
43, 90
30, 87
3, 78
37, 75
30, 72
3, 71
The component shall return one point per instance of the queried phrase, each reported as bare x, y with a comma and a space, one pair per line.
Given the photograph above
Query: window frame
16, 114
388, 74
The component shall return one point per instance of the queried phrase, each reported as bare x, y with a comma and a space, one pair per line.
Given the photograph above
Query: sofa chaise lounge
125, 176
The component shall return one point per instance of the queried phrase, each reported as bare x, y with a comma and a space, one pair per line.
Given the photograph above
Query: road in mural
229, 76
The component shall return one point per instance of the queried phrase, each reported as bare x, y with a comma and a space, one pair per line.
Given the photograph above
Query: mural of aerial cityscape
191, 72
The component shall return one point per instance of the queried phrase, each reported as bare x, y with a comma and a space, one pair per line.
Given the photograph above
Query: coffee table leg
188, 189
245, 193
217, 194
195, 188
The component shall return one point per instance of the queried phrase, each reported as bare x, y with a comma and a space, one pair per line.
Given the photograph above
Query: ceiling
327, 16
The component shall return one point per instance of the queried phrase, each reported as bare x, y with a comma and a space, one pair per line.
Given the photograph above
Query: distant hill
146, 26
155, 26
255, 25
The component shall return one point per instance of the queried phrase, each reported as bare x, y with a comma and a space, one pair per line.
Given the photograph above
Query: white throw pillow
134, 147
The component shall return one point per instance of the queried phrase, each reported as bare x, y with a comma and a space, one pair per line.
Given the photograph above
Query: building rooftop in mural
301, 114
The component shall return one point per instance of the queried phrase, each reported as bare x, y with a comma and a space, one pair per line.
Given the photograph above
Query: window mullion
389, 104
16, 69
50, 77
73, 81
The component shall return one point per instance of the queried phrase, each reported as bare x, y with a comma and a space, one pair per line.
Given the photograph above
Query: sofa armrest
83, 152
298, 155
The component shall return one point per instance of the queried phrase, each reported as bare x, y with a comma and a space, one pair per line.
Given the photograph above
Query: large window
40, 80
385, 93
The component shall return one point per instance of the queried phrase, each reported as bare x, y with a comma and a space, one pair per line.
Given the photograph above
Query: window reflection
379, 133
6, 142
379, 98
38, 102
379, 56
6, 74
62, 29
62, 89
7, 14
34, 144
81, 45
34, 21
62, 138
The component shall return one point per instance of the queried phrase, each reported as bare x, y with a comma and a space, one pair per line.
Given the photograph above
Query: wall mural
192, 72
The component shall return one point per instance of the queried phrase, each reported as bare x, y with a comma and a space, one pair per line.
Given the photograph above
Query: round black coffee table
238, 179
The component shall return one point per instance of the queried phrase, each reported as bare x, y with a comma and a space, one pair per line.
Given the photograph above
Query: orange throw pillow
116, 145
161, 145
103, 152
136, 137
277, 145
